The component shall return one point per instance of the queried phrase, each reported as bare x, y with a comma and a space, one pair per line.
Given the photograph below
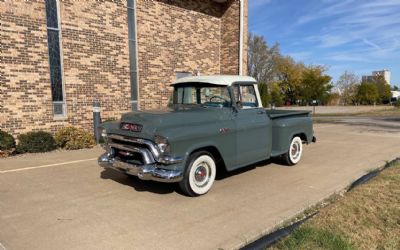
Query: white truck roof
225, 80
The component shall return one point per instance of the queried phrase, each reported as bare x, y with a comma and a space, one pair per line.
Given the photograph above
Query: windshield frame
198, 86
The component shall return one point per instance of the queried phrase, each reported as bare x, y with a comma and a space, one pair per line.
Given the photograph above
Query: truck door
252, 127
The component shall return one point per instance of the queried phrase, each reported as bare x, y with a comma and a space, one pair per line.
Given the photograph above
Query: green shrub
72, 138
35, 142
7, 141
397, 103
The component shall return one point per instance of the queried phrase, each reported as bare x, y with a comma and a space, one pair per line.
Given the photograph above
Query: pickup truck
212, 123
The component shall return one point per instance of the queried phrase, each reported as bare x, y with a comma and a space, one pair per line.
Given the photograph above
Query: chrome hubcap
201, 175
295, 151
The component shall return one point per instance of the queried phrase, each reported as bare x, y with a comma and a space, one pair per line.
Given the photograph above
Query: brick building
58, 56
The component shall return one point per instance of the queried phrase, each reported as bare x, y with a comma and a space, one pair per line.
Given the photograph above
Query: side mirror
237, 107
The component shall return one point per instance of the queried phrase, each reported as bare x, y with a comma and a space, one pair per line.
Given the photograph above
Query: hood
159, 122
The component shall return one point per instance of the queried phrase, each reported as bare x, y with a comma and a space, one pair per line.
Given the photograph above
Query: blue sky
354, 35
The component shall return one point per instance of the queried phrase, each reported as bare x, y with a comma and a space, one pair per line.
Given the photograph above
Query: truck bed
285, 125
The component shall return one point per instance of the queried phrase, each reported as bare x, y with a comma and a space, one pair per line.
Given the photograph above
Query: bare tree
261, 58
347, 85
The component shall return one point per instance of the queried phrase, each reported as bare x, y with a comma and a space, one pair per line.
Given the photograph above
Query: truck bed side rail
276, 114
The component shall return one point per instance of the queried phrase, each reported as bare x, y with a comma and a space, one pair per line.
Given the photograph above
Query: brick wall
173, 36
24, 68
96, 59
230, 36
96, 63
230, 23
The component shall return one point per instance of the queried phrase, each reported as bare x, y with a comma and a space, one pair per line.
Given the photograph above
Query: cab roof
224, 80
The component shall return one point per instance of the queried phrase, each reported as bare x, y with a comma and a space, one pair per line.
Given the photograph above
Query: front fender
185, 149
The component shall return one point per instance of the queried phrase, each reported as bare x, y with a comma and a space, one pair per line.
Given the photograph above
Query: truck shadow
138, 184
223, 174
167, 188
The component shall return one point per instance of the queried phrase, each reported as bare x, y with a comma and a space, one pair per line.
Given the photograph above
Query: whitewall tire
293, 156
199, 174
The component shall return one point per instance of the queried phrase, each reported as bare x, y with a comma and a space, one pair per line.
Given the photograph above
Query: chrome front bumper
151, 155
144, 172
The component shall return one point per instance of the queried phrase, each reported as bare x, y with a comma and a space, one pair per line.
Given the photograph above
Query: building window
182, 74
55, 59
132, 53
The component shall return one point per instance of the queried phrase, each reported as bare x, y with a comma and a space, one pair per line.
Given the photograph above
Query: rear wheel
293, 156
199, 174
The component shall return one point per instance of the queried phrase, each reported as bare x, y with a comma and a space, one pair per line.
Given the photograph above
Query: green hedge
7, 141
397, 103
35, 142
72, 138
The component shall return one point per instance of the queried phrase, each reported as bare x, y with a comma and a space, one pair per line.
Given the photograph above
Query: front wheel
293, 156
199, 174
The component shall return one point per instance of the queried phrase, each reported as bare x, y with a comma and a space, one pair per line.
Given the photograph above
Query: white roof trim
225, 80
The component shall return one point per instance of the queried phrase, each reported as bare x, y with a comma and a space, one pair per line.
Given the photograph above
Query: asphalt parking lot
63, 200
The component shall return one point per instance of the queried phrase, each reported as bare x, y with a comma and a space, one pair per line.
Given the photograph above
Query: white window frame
256, 92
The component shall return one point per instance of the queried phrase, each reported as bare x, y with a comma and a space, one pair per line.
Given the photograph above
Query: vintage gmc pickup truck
213, 122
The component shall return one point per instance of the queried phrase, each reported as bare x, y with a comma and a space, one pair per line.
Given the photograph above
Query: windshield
200, 94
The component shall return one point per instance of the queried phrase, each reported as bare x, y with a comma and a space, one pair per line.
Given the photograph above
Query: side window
246, 95
236, 93
217, 95
186, 95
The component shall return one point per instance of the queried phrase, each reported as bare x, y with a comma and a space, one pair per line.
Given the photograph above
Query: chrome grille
131, 150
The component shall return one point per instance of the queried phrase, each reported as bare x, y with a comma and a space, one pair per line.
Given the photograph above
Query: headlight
101, 131
104, 133
162, 143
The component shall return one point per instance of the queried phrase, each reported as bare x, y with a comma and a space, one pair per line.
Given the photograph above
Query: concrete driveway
63, 200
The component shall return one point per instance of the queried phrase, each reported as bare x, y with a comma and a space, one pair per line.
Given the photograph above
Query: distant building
385, 73
368, 78
395, 94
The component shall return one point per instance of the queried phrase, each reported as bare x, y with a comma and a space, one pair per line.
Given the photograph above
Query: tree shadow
391, 119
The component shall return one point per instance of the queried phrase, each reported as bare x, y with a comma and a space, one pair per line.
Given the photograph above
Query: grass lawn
367, 217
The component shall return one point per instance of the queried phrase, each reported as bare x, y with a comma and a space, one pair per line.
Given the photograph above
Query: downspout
133, 57
241, 37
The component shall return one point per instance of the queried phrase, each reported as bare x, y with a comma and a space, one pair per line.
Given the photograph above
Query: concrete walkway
73, 204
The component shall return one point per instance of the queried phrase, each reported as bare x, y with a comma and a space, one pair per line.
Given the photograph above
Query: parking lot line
45, 166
